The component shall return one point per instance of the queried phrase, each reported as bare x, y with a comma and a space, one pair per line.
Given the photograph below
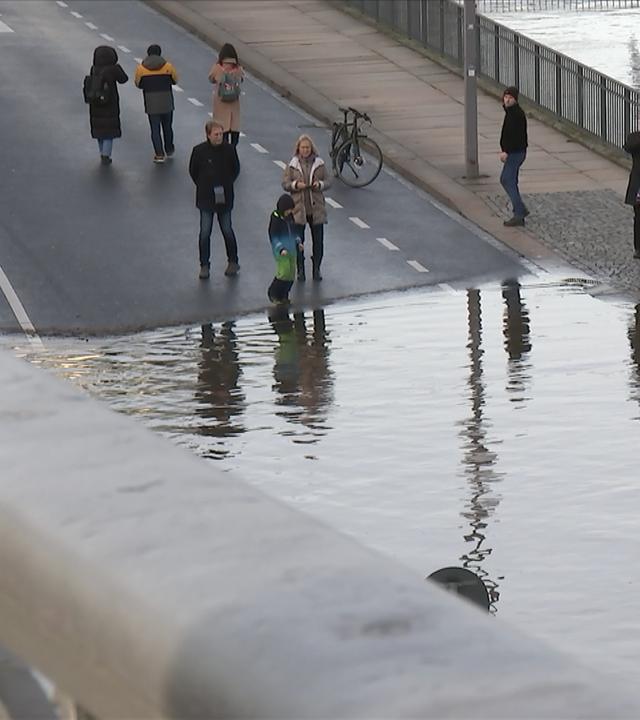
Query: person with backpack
227, 75
214, 167
284, 244
101, 94
156, 77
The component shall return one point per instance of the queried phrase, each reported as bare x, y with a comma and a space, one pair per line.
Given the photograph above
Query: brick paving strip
321, 57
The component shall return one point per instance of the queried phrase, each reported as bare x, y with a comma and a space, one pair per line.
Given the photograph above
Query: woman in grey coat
632, 146
306, 180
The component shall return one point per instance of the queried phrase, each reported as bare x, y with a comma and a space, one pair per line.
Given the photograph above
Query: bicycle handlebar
356, 113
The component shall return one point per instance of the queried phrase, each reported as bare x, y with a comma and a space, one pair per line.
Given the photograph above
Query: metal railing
544, 5
598, 105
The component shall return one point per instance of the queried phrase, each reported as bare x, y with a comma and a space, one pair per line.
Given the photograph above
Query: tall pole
470, 91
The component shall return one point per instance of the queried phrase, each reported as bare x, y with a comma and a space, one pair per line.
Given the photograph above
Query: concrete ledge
146, 583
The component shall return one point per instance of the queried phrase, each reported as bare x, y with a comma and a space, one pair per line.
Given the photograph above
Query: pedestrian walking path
322, 57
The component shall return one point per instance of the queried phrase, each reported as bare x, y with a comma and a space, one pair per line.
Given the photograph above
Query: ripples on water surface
494, 428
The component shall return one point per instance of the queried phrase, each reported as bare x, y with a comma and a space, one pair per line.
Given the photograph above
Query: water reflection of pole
478, 458
633, 333
516, 330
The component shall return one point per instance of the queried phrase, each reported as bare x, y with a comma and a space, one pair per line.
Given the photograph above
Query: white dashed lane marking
417, 266
387, 243
91, 26
18, 308
195, 101
360, 223
4, 28
138, 60
332, 202
446, 287
280, 164
75, 14
177, 88
61, 4
124, 49
242, 134
259, 148
108, 38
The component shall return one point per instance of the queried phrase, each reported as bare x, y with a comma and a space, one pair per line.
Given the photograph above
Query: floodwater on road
494, 428
606, 40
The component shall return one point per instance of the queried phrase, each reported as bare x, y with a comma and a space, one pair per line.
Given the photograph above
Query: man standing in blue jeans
156, 77
214, 167
513, 144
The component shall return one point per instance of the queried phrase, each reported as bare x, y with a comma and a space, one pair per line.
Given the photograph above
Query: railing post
496, 51
558, 61
459, 33
516, 59
603, 108
536, 73
580, 96
626, 113
442, 2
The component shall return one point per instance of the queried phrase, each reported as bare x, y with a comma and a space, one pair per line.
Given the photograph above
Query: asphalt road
91, 250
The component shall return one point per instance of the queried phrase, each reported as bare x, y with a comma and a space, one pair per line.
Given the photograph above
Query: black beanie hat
285, 202
511, 90
154, 50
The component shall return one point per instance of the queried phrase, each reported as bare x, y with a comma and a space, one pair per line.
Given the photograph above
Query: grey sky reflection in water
495, 428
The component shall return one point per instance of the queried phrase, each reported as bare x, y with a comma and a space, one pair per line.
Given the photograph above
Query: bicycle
350, 163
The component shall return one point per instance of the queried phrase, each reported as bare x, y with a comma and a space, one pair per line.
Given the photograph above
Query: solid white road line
108, 38
195, 101
18, 308
91, 26
124, 49
61, 4
280, 164
332, 202
4, 28
259, 148
177, 88
360, 223
75, 14
417, 266
387, 243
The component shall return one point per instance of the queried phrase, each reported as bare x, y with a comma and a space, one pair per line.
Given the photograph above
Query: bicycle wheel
356, 167
337, 138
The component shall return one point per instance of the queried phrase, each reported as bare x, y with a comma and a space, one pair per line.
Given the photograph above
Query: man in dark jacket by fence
214, 167
155, 77
513, 145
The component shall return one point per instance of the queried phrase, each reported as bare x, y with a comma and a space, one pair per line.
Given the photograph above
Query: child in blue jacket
284, 243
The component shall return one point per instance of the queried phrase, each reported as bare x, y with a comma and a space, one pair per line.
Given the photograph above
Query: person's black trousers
279, 290
636, 228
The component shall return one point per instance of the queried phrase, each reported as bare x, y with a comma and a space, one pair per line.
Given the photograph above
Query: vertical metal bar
558, 65
603, 107
580, 93
536, 73
516, 59
470, 91
626, 113
442, 26
496, 51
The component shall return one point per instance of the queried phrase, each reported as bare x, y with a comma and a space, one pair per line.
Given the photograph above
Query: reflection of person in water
219, 398
301, 370
517, 339
633, 333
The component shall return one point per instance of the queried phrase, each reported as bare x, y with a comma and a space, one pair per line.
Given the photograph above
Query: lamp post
470, 91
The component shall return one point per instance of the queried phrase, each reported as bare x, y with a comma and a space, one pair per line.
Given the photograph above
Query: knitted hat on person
511, 90
285, 202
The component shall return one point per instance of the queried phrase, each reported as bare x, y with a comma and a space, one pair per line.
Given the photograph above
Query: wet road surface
91, 250
494, 428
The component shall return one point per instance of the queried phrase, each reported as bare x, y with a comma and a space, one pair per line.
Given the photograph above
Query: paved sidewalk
322, 57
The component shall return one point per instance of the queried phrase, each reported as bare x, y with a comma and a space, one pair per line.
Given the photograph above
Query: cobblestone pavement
591, 229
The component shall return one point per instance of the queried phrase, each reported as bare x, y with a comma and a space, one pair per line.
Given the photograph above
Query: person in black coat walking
632, 146
105, 118
513, 146
214, 167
